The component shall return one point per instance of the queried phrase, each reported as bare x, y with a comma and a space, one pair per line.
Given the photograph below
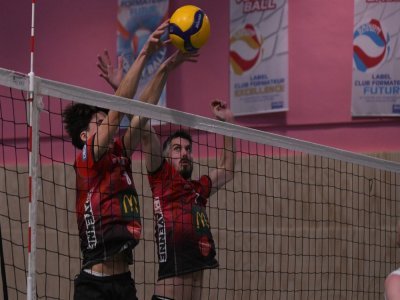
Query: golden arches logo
130, 204
201, 220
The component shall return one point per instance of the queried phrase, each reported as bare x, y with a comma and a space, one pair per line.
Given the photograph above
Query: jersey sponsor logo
130, 210
205, 246
128, 179
135, 228
197, 197
200, 220
160, 230
84, 153
90, 221
129, 203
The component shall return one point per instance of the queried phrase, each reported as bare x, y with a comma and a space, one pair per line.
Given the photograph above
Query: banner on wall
258, 56
136, 21
376, 58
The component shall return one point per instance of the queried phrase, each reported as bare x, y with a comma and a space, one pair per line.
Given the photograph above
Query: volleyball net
298, 220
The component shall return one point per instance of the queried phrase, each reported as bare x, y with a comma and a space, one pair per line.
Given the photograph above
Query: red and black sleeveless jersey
107, 204
184, 240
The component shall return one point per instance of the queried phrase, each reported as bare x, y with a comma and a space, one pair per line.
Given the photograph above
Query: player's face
180, 152
94, 124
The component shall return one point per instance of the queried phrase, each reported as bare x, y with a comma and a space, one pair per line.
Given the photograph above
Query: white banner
136, 21
376, 58
258, 56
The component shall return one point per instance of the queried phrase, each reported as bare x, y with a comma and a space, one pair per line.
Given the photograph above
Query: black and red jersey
184, 240
107, 204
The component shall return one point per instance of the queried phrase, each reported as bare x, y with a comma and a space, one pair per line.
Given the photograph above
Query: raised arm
126, 88
129, 83
227, 159
151, 94
151, 147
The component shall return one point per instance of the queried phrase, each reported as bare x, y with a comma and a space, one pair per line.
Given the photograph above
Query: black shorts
115, 287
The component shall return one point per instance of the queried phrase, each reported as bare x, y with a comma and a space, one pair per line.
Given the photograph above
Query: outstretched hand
179, 57
221, 111
154, 41
113, 75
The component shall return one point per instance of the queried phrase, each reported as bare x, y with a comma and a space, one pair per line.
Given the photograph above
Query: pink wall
71, 33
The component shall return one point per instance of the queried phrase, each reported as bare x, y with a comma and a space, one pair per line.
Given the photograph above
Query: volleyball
189, 28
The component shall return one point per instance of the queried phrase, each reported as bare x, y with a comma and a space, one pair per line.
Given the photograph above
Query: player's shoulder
161, 170
205, 179
392, 283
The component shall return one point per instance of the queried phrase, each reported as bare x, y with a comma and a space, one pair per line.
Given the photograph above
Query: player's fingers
99, 58
164, 24
190, 56
103, 56
101, 62
161, 29
193, 54
153, 39
120, 61
107, 57
101, 67
110, 70
215, 103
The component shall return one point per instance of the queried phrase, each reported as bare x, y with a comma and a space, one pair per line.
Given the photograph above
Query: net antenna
33, 107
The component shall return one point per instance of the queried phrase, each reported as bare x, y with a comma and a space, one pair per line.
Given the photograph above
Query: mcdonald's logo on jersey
200, 220
129, 203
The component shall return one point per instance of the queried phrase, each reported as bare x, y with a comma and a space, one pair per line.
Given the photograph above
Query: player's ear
83, 135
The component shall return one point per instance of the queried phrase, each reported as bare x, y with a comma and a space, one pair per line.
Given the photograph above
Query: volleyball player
107, 203
184, 241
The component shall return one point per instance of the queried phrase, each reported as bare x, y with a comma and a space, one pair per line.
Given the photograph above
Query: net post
34, 191
33, 143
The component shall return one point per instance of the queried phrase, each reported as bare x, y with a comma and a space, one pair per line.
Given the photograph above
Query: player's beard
186, 169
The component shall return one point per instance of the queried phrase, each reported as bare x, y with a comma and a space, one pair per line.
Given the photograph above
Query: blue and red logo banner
136, 21
376, 58
258, 56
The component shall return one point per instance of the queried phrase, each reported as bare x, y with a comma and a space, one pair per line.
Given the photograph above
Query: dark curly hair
76, 118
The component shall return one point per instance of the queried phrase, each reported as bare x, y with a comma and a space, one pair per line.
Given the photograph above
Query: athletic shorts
114, 287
